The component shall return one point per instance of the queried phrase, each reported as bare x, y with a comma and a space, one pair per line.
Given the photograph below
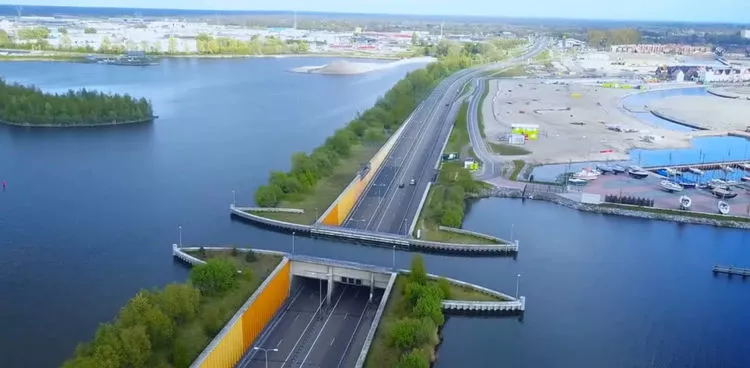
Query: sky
734, 11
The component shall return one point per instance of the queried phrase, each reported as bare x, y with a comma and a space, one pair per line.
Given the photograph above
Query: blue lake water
89, 216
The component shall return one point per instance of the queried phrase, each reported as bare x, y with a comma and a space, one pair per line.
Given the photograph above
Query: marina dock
731, 270
735, 164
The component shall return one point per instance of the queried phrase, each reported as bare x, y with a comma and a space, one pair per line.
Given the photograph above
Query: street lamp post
234, 198
179, 235
293, 241
265, 351
518, 281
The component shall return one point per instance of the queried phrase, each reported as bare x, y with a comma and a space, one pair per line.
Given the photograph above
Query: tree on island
28, 105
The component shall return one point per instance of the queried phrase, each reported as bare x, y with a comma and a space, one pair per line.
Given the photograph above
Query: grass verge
664, 211
459, 137
480, 116
517, 167
508, 149
515, 71
325, 191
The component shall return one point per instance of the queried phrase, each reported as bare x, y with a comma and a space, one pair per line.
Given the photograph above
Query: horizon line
392, 14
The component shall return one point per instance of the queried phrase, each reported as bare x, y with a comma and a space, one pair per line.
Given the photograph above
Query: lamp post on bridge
265, 351
179, 235
393, 262
293, 233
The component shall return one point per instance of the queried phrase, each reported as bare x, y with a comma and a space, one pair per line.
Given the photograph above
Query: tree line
149, 331
30, 105
255, 46
370, 127
414, 335
605, 38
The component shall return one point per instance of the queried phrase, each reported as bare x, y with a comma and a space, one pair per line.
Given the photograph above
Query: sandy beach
709, 112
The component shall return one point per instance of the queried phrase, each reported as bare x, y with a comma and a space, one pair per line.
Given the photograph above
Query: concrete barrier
666, 117
419, 208
375, 323
378, 238
274, 209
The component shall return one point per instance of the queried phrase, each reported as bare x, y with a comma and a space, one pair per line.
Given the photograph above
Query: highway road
385, 206
310, 334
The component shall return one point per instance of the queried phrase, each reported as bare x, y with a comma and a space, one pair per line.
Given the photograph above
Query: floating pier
737, 164
731, 270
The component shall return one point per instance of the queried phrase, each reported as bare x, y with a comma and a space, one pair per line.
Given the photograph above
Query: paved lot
703, 200
307, 335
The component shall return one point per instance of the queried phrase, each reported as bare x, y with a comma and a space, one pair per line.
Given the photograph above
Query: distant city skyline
728, 11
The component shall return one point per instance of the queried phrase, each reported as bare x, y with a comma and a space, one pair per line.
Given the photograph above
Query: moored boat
637, 172
716, 183
586, 174
745, 166
695, 171
576, 181
604, 168
727, 168
745, 178
687, 183
723, 193
671, 186
685, 202
723, 207
618, 169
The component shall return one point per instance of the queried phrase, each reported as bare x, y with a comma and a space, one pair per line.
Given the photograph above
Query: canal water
89, 215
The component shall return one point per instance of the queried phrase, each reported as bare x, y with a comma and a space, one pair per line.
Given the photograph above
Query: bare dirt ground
555, 107
709, 112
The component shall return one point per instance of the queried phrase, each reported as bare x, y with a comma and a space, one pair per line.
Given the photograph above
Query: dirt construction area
574, 117
713, 113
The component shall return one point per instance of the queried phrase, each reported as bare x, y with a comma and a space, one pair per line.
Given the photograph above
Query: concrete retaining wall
675, 120
375, 323
474, 233
419, 208
240, 211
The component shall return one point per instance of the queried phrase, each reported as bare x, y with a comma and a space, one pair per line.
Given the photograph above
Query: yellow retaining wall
251, 323
340, 209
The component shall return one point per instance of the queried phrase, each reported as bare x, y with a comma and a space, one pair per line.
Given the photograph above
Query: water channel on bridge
89, 215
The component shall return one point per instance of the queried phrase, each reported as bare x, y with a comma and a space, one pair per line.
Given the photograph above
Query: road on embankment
387, 206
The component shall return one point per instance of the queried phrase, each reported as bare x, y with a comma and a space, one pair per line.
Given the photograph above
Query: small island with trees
29, 106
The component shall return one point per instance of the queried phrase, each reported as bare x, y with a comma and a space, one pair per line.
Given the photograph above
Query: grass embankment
663, 211
325, 191
171, 327
389, 347
515, 71
446, 202
518, 165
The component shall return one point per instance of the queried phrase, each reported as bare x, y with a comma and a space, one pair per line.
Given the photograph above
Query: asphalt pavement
307, 333
388, 207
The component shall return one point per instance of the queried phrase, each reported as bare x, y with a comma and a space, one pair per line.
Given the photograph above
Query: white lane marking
382, 165
249, 357
354, 333
419, 143
332, 340
279, 343
302, 334
312, 347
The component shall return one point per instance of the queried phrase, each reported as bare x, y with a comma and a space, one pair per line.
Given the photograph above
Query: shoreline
78, 57
635, 212
128, 122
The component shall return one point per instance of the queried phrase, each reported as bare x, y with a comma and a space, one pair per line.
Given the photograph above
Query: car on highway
401, 185
412, 182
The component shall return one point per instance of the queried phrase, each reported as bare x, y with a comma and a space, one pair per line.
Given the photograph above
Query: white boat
604, 168
716, 183
723, 207
727, 169
696, 171
576, 181
637, 172
685, 202
671, 186
723, 193
745, 178
673, 172
618, 169
586, 174
745, 166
